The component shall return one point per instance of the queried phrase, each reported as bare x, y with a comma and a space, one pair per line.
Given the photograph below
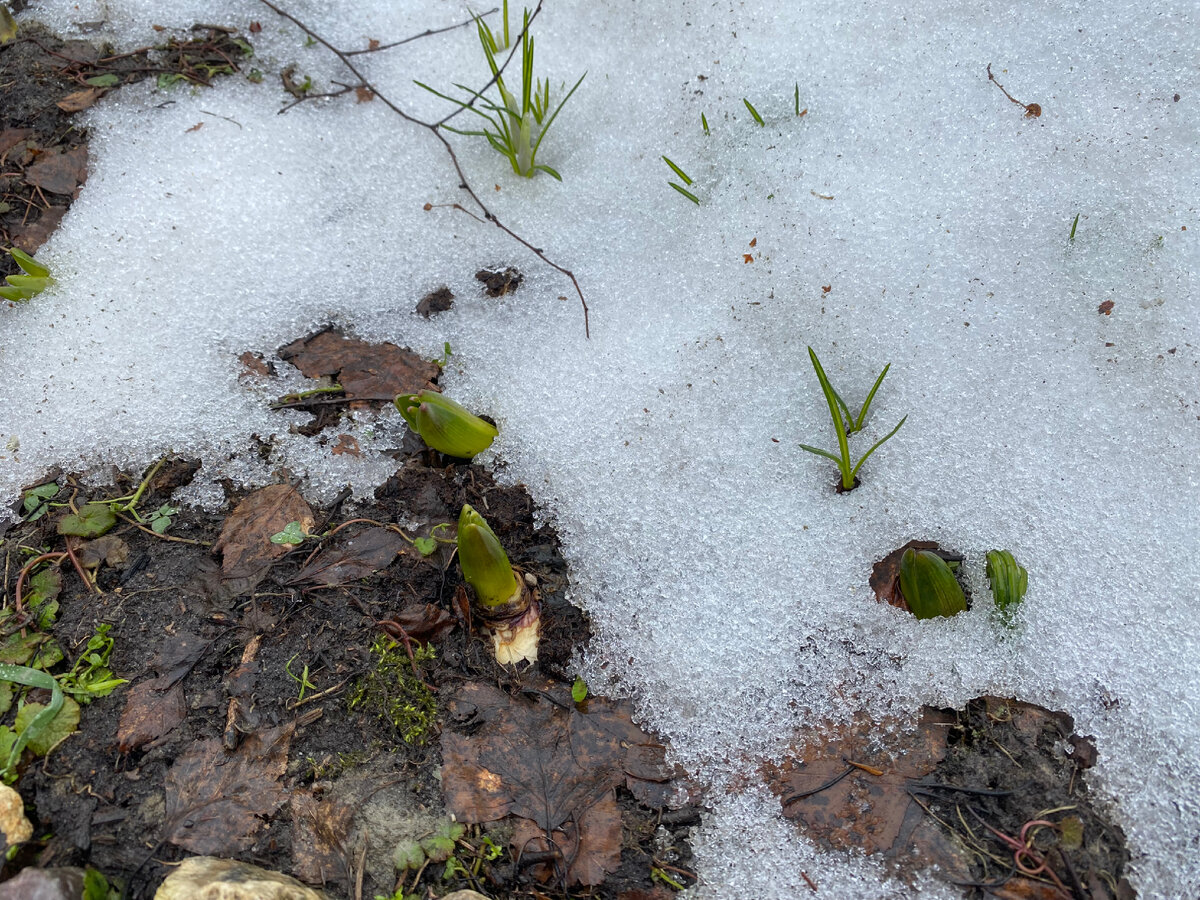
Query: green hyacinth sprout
35, 280
929, 586
1009, 582
484, 563
445, 425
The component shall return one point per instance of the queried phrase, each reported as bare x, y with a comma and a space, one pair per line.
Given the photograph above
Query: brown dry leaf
365, 371
754, 242
747, 257
195, 127
59, 173
78, 101
364, 94
373, 44
216, 801
10, 137
346, 443
844, 806
255, 27
320, 829
541, 759
365, 553
420, 622
33, 235
593, 853
1106, 308
149, 713
255, 365
109, 549
245, 541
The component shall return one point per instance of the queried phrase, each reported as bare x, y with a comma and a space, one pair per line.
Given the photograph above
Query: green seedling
444, 425
1074, 225
91, 677
704, 123
22, 287
36, 727
838, 409
293, 533
160, 520
1009, 582
686, 180
929, 586
754, 112
518, 126
301, 679
579, 691
444, 360
36, 501
797, 98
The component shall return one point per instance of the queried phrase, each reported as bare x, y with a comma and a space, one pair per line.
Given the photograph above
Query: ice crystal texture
913, 215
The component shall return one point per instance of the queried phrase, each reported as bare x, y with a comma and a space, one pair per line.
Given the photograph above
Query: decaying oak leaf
320, 839
245, 541
365, 553
539, 757
217, 800
365, 371
591, 847
150, 712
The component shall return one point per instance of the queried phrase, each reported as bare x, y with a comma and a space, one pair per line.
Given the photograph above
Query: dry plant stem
463, 183
18, 605
1031, 109
426, 33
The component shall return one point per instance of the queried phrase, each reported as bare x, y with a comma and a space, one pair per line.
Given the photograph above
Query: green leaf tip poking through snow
929, 586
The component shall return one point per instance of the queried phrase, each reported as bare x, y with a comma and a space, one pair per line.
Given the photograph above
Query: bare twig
379, 48
1032, 110
464, 184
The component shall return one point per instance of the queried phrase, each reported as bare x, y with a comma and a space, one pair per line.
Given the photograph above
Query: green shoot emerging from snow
517, 124
754, 112
838, 409
1074, 225
1009, 581
35, 280
683, 176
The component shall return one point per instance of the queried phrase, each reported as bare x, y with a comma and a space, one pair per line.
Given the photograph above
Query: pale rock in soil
212, 878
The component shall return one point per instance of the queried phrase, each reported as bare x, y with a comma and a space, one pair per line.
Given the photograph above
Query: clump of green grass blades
518, 124
686, 180
837, 410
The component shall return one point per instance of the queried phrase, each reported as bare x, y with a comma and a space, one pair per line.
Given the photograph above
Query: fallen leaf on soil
320, 829
33, 235
544, 760
844, 806
420, 622
78, 101
245, 541
110, 550
10, 137
216, 801
365, 553
59, 173
149, 713
365, 371
593, 853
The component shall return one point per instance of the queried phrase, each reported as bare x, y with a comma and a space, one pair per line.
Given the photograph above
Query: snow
727, 581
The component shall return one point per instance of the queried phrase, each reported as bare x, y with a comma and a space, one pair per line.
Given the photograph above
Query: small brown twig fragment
870, 770
1032, 110
808, 881
376, 47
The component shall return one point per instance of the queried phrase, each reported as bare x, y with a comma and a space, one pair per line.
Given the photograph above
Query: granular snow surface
913, 215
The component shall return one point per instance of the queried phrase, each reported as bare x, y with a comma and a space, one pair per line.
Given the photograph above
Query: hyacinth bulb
445, 425
929, 586
484, 563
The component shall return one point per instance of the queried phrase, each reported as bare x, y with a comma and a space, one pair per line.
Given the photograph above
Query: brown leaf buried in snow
346, 443
245, 542
149, 713
846, 807
216, 801
365, 553
592, 853
365, 371
59, 173
542, 759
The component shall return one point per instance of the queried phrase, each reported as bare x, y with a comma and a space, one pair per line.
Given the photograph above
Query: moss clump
392, 692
